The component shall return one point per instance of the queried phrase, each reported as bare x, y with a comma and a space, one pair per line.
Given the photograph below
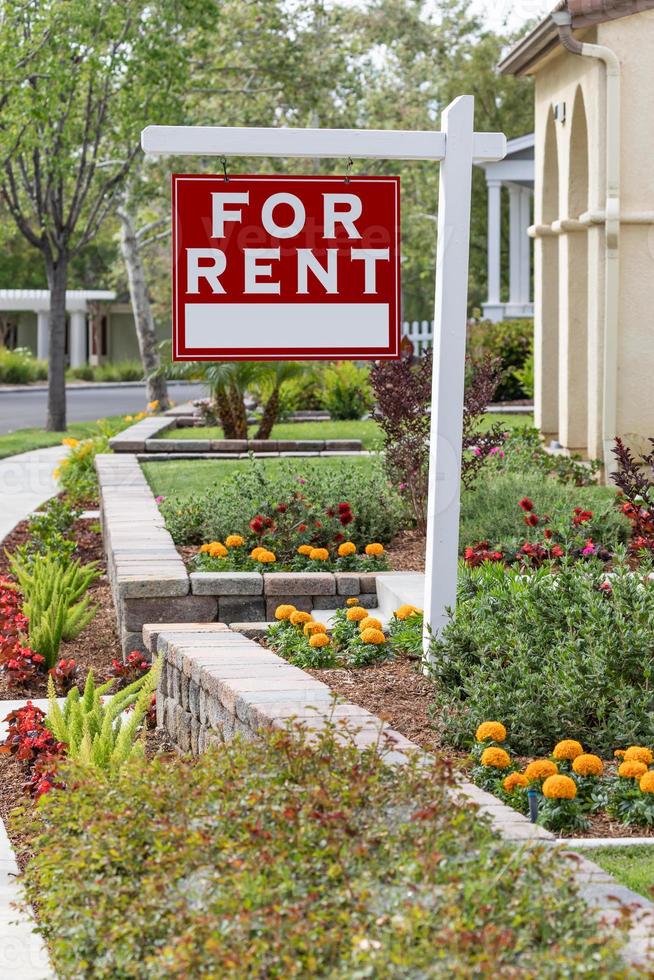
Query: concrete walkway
26, 481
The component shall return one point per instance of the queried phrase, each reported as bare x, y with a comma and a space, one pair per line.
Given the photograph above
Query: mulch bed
98, 644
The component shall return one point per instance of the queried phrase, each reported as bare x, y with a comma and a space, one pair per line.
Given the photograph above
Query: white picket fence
420, 333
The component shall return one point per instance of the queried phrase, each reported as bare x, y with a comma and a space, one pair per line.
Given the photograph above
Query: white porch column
525, 250
42, 335
494, 232
515, 234
77, 338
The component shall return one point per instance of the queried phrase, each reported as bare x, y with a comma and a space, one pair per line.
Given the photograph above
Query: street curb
82, 385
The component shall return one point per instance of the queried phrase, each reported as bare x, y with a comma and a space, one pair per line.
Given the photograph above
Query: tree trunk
269, 416
224, 413
157, 390
57, 273
239, 414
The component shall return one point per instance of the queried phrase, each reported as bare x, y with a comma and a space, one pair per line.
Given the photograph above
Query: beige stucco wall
569, 310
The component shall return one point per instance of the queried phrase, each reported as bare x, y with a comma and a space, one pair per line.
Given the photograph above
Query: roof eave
530, 49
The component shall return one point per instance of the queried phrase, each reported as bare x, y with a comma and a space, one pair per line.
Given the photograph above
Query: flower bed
567, 789
356, 638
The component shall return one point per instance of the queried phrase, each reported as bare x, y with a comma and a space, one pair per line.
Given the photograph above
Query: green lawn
366, 430
186, 477
632, 866
24, 440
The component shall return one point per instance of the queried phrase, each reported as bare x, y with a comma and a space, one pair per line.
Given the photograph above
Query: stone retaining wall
150, 583
152, 436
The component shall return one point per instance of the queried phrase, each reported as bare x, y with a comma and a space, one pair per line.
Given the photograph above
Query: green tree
79, 81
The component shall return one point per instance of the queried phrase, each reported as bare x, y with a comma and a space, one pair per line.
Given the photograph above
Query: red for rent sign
285, 268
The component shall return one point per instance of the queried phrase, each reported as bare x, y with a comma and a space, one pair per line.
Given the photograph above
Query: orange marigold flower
559, 788
352, 601
587, 764
284, 611
266, 557
319, 640
375, 549
304, 549
373, 636
491, 731
404, 612
356, 613
319, 554
568, 749
632, 769
256, 552
495, 758
204, 548
217, 549
639, 753
347, 548
647, 783
513, 780
314, 627
234, 541
370, 622
619, 754
540, 769
299, 618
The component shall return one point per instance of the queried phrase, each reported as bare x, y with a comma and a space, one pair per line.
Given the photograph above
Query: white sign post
456, 146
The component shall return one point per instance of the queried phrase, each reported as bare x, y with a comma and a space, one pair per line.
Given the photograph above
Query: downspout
563, 20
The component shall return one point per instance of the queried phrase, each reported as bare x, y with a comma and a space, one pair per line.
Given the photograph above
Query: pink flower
159, 499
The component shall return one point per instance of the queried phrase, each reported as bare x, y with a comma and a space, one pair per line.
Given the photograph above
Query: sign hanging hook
223, 160
348, 168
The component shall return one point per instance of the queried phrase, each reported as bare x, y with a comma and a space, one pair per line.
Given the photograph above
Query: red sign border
391, 352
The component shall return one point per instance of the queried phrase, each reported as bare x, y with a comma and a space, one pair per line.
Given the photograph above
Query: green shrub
119, 371
270, 858
76, 471
56, 601
50, 532
522, 451
20, 367
228, 508
96, 730
490, 512
511, 341
525, 376
83, 372
552, 656
346, 391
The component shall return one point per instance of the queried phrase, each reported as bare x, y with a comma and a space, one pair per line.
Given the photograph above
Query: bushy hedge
20, 367
229, 507
276, 859
553, 656
512, 342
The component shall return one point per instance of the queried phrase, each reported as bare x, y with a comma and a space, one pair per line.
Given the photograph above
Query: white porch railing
420, 333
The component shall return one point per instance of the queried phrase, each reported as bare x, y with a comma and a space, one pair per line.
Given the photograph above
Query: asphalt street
26, 409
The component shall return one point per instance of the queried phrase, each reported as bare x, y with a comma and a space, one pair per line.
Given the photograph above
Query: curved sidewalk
26, 481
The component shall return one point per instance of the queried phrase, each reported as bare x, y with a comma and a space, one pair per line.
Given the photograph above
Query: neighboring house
593, 68
98, 329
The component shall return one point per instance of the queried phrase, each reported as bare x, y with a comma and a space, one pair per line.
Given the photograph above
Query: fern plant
56, 600
99, 734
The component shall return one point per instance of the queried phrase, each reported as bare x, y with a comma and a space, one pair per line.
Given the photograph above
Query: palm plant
230, 381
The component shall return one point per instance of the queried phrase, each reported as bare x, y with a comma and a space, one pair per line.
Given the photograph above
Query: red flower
281, 508
606, 587
531, 520
526, 504
302, 527
548, 533
346, 518
344, 508
256, 524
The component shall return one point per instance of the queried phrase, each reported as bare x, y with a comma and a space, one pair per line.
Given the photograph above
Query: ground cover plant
288, 850
553, 655
258, 489
566, 787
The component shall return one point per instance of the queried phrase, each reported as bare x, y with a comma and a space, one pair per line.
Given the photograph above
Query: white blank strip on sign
242, 326
382, 144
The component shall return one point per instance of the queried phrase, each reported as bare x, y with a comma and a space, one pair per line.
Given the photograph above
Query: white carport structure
516, 173
38, 301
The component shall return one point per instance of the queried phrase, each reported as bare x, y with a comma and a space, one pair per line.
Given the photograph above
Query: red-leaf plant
33, 744
637, 489
21, 664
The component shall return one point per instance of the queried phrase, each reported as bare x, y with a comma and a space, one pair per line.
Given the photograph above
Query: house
98, 329
592, 62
